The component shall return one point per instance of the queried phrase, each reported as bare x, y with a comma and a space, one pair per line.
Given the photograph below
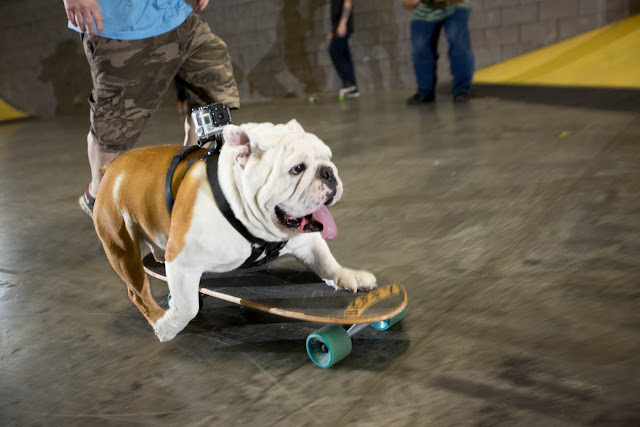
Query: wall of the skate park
279, 47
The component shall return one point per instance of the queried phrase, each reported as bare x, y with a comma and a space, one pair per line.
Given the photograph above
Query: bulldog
277, 181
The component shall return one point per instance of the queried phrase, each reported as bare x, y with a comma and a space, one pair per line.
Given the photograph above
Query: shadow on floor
594, 98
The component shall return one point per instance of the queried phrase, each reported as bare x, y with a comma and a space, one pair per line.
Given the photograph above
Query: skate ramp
603, 58
7, 112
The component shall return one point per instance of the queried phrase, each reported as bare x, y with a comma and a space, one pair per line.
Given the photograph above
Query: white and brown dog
277, 179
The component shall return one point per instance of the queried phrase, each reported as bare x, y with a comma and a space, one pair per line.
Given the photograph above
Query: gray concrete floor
513, 226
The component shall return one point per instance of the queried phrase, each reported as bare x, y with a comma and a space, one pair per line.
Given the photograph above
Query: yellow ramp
605, 57
7, 112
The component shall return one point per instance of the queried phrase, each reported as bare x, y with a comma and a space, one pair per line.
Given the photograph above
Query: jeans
341, 57
424, 51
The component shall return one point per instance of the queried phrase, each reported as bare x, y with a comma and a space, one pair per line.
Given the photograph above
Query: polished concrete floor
514, 227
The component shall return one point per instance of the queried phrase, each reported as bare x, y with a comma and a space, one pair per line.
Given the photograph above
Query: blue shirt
140, 19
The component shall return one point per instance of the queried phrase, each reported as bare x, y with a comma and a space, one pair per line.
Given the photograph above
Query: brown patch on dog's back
182, 214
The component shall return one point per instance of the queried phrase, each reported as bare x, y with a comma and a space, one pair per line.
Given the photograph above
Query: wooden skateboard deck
298, 294
302, 295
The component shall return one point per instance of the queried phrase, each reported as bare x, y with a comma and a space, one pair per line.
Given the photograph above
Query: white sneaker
86, 202
349, 92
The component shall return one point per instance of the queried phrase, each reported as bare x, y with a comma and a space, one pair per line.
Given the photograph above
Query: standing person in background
341, 29
429, 16
139, 48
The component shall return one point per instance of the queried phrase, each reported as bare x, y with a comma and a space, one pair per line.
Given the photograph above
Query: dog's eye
298, 169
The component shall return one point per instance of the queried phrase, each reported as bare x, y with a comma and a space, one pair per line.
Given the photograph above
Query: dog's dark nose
326, 173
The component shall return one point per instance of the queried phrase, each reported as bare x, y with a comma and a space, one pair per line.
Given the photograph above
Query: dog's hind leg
123, 250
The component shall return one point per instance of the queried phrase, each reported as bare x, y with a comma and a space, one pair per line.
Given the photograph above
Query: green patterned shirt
429, 10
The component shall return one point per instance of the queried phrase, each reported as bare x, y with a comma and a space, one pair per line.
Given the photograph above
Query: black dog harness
262, 251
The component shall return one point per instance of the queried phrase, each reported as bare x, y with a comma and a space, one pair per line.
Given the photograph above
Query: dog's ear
240, 140
294, 125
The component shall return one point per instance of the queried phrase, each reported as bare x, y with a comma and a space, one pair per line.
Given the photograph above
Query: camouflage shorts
131, 77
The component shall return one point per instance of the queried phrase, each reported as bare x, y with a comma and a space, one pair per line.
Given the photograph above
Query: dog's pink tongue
329, 228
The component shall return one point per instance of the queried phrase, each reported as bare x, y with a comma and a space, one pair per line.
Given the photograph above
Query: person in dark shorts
134, 50
341, 29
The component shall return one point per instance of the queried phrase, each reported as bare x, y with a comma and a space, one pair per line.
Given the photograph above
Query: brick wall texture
279, 47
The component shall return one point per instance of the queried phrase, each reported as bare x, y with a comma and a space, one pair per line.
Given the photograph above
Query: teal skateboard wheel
383, 325
329, 345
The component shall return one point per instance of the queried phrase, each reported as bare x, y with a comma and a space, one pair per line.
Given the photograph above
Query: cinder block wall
279, 46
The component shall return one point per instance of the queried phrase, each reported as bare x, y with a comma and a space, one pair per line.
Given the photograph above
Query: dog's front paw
164, 331
353, 280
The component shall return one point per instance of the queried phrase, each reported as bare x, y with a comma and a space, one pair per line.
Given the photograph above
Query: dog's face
285, 176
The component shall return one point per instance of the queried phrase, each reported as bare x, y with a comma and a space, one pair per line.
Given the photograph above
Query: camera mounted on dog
209, 120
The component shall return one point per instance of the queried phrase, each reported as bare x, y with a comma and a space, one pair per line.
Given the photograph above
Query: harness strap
270, 250
225, 208
182, 154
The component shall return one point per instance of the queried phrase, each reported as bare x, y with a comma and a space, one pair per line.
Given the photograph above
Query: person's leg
424, 52
460, 54
181, 93
341, 57
339, 52
348, 67
127, 88
98, 157
334, 53
190, 137
206, 70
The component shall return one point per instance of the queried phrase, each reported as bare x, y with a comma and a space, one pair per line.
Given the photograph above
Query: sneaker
461, 98
349, 92
86, 202
417, 98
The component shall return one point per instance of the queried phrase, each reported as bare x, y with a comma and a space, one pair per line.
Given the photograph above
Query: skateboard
302, 295
315, 98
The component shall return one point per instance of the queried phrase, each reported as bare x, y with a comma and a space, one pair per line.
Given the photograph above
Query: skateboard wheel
329, 345
200, 301
383, 325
